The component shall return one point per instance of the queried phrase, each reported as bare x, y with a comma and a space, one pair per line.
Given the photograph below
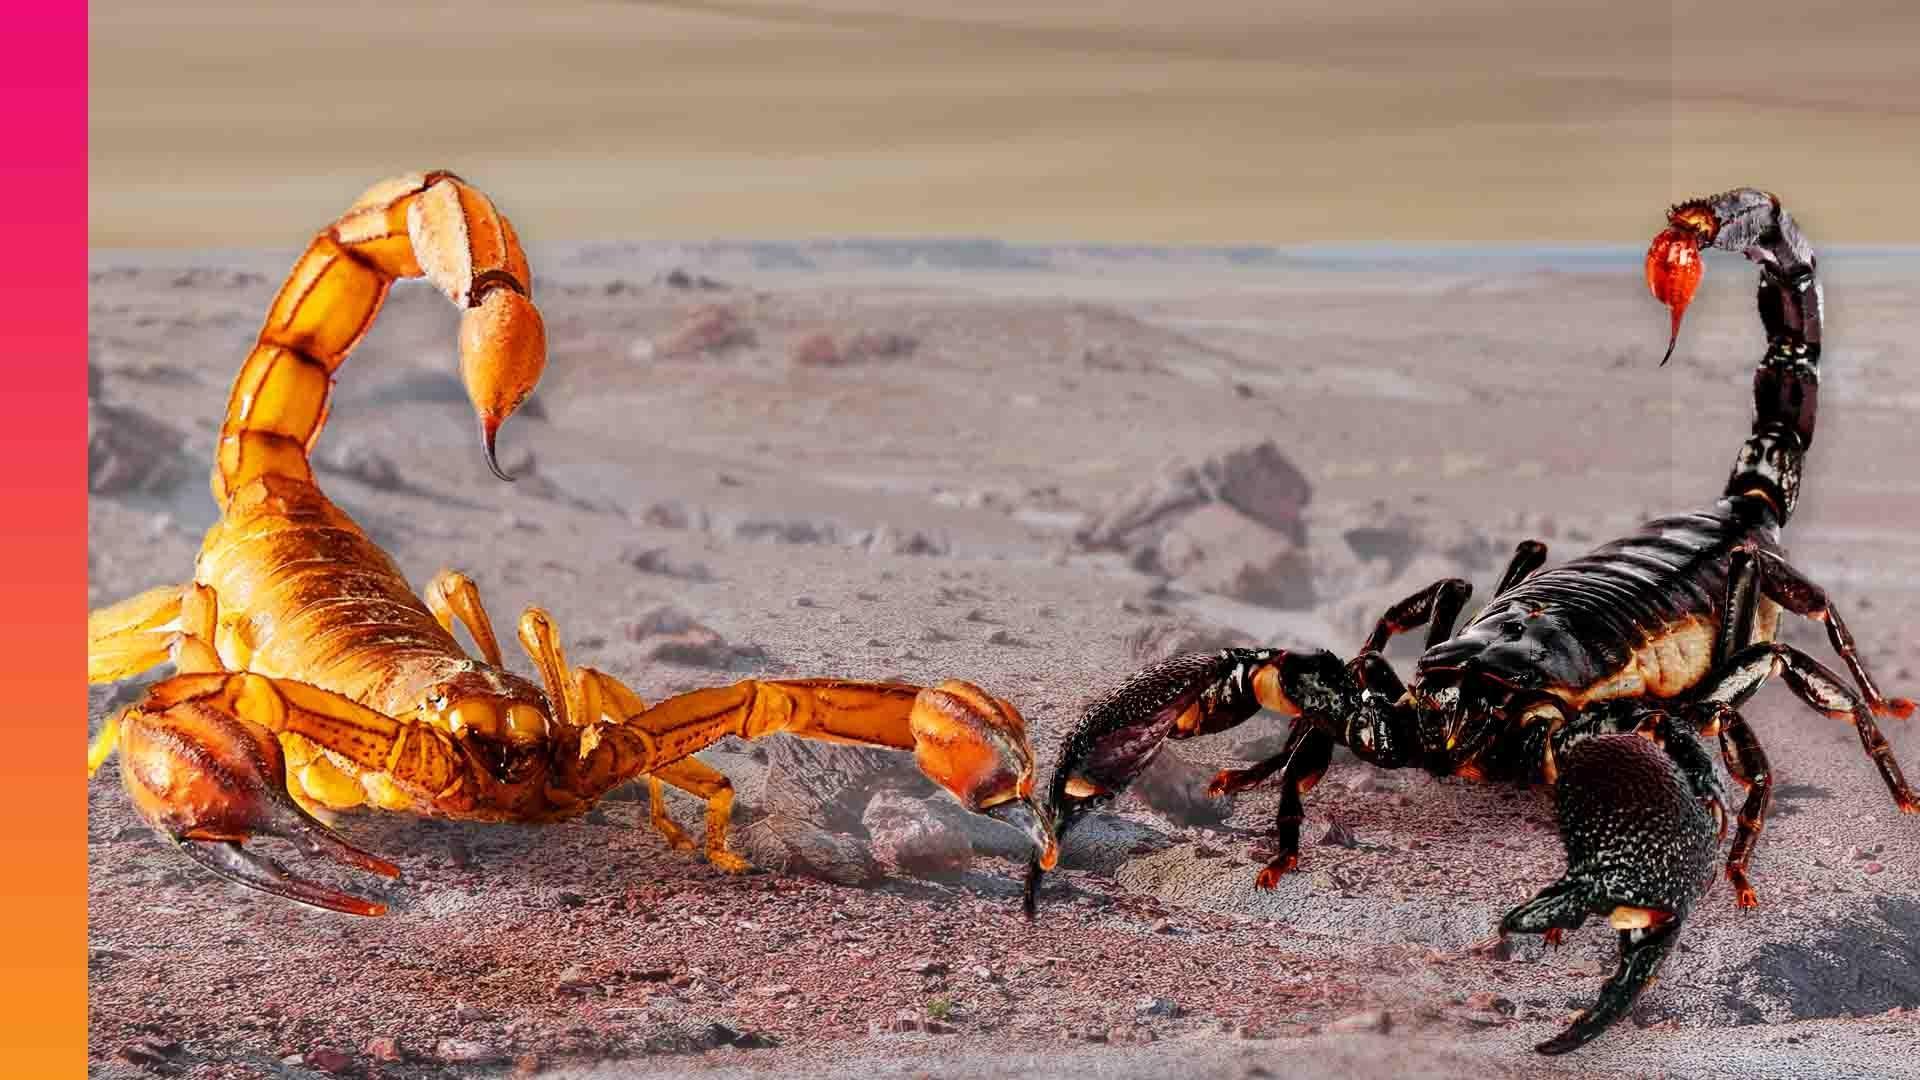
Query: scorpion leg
1747, 764
1792, 590
203, 762
1529, 556
610, 698
130, 637
583, 699
703, 781
453, 595
1437, 607
1822, 688
1636, 818
1305, 765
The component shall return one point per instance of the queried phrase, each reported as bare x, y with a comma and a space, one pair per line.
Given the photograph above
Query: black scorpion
1601, 677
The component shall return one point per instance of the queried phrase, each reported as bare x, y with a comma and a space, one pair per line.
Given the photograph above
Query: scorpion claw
1640, 849
235, 863
209, 780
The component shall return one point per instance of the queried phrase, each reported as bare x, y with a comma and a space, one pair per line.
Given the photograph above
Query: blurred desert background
1025, 343
1199, 122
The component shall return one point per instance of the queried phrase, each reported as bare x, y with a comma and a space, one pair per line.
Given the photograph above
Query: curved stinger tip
488, 430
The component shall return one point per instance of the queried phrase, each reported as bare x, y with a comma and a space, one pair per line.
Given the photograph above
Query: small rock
817, 349
928, 967
576, 981
1491, 1001
1338, 835
1374, 1020
1219, 550
1002, 637
658, 561
467, 1052
722, 1035
777, 990
796, 846
709, 328
786, 531
329, 1060
148, 1050
681, 279
888, 540
877, 344
1177, 790
1872, 868
1165, 1008
1257, 481
384, 1048
909, 835
673, 515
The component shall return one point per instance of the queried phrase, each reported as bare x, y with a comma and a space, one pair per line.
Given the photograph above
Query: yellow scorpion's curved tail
425, 224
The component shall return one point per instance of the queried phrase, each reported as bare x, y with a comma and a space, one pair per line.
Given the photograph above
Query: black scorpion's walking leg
1792, 590
1747, 764
1721, 718
1529, 556
1639, 816
1750, 573
1437, 607
1819, 686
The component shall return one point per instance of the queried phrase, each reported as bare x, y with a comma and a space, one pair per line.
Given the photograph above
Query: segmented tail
424, 224
1786, 385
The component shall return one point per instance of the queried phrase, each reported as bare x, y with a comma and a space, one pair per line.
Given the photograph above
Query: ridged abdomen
305, 595
1637, 615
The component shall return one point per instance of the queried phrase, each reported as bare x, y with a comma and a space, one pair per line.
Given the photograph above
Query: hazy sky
1172, 121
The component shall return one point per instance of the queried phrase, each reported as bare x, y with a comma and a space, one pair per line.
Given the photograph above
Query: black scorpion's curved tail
1786, 386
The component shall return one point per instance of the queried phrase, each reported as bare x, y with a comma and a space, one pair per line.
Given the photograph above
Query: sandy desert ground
903, 460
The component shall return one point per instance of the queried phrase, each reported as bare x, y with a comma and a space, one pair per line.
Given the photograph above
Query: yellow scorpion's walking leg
201, 756
429, 224
453, 595
173, 622
131, 636
609, 697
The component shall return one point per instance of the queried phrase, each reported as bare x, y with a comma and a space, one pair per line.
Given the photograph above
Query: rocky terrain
1037, 469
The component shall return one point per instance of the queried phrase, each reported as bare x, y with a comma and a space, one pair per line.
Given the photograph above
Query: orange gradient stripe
43, 545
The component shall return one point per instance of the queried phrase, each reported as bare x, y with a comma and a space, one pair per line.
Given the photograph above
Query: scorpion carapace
308, 674
1600, 677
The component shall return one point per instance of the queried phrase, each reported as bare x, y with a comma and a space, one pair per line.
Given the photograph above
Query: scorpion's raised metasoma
1599, 677
308, 673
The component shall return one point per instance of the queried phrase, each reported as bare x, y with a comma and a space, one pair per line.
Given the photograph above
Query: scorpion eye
479, 717
525, 724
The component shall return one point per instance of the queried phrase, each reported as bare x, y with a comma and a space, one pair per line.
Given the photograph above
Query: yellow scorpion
308, 673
